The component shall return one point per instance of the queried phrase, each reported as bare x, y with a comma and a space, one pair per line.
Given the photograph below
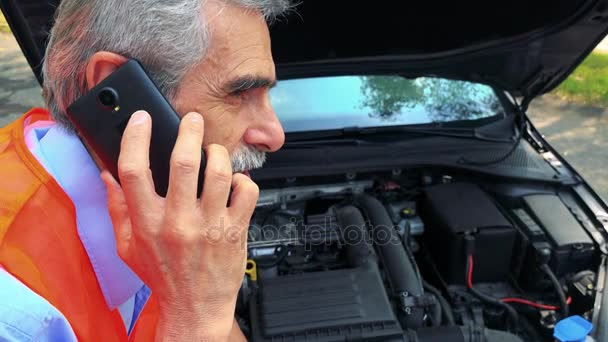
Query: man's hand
191, 252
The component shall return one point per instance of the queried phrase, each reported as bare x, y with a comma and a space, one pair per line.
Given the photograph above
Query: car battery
546, 223
450, 211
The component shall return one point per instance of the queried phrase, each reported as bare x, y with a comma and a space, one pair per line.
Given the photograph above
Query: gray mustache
247, 157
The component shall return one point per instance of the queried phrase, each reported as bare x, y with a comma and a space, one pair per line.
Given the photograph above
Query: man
171, 268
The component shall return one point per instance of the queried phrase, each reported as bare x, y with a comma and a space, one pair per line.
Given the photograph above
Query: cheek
226, 130
220, 118
226, 118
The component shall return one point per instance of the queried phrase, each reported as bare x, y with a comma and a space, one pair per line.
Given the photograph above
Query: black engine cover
340, 305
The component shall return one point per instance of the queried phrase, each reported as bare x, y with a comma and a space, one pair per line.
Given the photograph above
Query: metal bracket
407, 303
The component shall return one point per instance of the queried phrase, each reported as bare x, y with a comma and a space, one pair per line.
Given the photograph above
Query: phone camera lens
108, 98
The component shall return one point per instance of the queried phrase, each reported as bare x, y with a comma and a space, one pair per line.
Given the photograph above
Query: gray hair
169, 37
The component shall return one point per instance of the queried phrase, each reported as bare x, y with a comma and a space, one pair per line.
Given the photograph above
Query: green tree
443, 99
387, 95
449, 100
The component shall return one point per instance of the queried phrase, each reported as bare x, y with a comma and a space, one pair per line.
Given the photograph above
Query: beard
247, 157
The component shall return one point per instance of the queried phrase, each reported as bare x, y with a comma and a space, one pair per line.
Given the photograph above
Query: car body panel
525, 47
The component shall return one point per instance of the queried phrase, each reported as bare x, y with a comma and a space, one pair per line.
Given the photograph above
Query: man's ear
101, 65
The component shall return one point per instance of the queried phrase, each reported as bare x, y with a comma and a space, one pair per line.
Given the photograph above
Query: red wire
470, 273
512, 299
533, 304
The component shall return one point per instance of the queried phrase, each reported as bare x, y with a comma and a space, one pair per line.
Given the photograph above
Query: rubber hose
558, 289
401, 271
446, 308
358, 248
437, 314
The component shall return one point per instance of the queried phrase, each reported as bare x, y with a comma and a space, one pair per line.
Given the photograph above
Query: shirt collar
65, 158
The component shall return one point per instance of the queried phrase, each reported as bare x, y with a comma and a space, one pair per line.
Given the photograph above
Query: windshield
322, 103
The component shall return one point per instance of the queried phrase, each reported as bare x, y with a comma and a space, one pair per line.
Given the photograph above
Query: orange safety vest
39, 244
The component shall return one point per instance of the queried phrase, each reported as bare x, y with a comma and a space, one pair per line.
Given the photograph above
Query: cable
446, 308
564, 303
522, 127
558, 289
437, 314
470, 272
513, 315
534, 304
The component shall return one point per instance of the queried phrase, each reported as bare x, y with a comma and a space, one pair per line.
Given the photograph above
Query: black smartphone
101, 115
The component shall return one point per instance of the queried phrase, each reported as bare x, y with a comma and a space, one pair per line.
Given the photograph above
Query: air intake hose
400, 267
359, 251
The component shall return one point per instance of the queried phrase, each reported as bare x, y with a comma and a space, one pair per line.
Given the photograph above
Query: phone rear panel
102, 127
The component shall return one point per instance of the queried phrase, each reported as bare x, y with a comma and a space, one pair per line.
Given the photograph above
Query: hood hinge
530, 136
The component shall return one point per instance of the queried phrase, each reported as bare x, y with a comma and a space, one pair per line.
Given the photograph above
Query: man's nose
266, 133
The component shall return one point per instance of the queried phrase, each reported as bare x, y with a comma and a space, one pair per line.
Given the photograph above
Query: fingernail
139, 118
195, 117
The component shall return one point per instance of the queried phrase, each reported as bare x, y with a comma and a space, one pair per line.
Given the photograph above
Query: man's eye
239, 92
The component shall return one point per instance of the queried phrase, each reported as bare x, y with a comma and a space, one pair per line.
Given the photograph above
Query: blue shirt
24, 315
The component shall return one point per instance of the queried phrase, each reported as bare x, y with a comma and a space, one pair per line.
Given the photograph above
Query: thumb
119, 213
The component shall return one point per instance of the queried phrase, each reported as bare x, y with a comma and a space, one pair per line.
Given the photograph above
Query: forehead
240, 41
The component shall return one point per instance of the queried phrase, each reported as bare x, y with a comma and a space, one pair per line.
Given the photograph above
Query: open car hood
526, 47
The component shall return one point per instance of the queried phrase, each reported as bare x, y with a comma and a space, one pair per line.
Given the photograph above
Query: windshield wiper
382, 135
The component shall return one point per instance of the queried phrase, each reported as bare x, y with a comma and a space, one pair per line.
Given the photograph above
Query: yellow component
251, 270
408, 211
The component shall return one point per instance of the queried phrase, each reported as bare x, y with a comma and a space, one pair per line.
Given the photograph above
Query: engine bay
418, 256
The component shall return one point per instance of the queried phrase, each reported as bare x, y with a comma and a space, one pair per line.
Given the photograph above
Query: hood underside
526, 47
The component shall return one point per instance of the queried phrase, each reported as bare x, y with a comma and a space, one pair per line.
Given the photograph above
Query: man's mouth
246, 173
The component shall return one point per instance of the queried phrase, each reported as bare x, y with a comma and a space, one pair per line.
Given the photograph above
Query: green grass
589, 82
3, 24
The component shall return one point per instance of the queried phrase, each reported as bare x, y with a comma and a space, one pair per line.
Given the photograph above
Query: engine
381, 261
